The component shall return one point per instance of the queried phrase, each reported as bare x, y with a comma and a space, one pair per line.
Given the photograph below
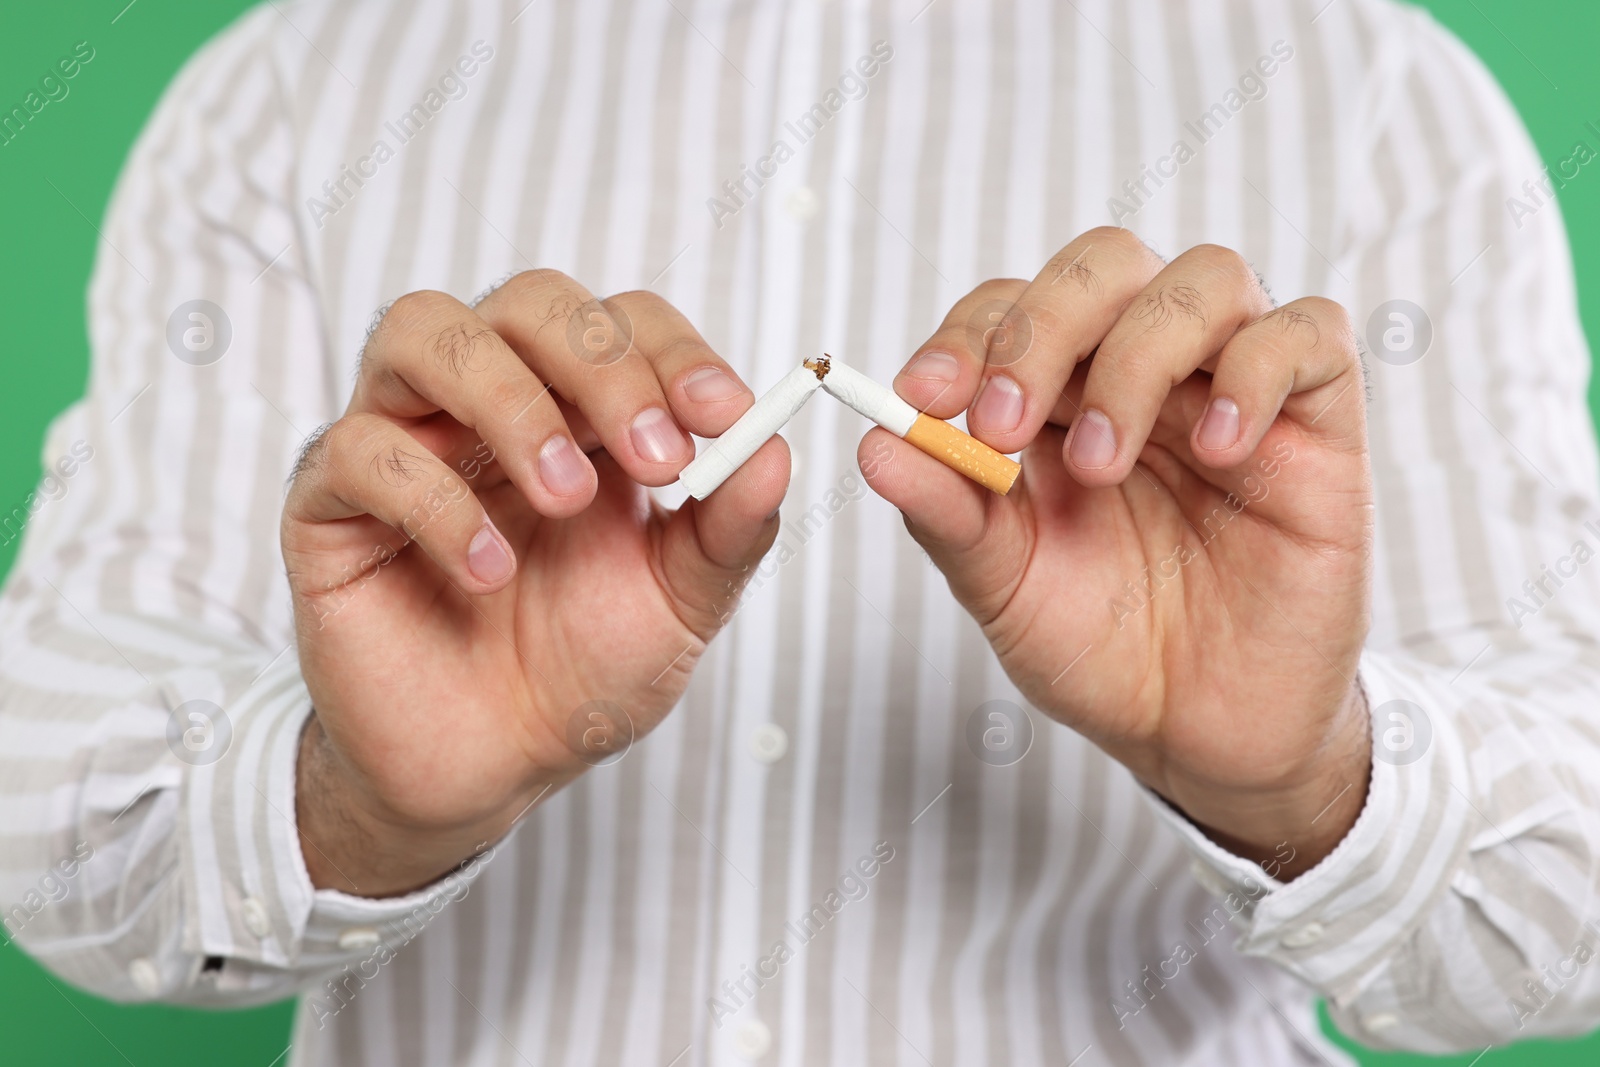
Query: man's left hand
1182, 574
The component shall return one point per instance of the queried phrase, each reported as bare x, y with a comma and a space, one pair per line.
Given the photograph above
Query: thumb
976, 537
710, 547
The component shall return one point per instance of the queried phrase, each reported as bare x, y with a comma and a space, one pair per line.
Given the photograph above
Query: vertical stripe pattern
876, 893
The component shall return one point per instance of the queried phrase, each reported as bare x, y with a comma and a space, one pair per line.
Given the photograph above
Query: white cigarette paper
877, 402
953, 447
755, 427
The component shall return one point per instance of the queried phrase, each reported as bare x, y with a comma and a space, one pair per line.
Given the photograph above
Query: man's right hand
474, 598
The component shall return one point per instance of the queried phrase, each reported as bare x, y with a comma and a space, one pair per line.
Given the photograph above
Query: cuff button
146, 979
1380, 1021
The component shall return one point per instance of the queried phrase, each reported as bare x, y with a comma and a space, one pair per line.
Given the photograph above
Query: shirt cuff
249, 896
1337, 923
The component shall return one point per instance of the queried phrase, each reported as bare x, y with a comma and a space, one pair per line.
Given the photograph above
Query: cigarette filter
755, 427
955, 449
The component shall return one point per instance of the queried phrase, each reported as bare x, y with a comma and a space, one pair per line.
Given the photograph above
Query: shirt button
1380, 1021
752, 1040
769, 743
255, 917
1305, 937
358, 938
146, 979
802, 204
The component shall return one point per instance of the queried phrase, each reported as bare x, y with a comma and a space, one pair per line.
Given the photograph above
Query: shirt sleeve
151, 702
1461, 910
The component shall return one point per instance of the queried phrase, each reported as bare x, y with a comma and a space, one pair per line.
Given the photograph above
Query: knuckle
1330, 312
443, 500
538, 280
1336, 325
634, 298
960, 337
1225, 265
1292, 320
416, 311
312, 454
358, 434
492, 288
1107, 257
547, 294
539, 284
462, 347
1121, 247
1000, 289
988, 312
685, 347
1157, 309
336, 448
1117, 238
1017, 327
1075, 267
1121, 363
377, 319
396, 465
1307, 322
372, 363
506, 396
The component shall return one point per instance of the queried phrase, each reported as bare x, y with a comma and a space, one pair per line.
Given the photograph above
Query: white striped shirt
815, 789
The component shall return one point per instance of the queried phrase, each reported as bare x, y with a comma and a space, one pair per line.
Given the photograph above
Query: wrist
1291, 826
355, 843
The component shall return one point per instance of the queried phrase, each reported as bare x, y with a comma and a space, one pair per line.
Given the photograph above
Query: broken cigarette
950, 446
755, 427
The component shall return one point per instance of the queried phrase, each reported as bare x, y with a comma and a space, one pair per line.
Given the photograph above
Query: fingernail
935, 367
562, 467
656, 437
999, 405
709, 384
1094, 442
488, 557
1220, 426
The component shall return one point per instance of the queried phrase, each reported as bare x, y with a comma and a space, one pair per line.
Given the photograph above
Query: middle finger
1057, 321
589, 352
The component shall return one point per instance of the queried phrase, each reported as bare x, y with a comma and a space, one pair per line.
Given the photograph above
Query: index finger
432, 353
1056, 322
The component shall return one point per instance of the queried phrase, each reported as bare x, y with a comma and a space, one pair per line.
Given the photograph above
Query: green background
54, 183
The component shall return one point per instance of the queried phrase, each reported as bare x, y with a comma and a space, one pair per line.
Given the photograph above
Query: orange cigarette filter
965, 453
957, 450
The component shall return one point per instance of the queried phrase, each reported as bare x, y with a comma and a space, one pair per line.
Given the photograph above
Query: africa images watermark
804, 127
440, 498
1138, 596
52, 487
1140, 994
1251, 87
1554, 978
1542, 590
338, 191
795, 534
53, 88
337, 594
53, 886
1538, 193
338, 992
